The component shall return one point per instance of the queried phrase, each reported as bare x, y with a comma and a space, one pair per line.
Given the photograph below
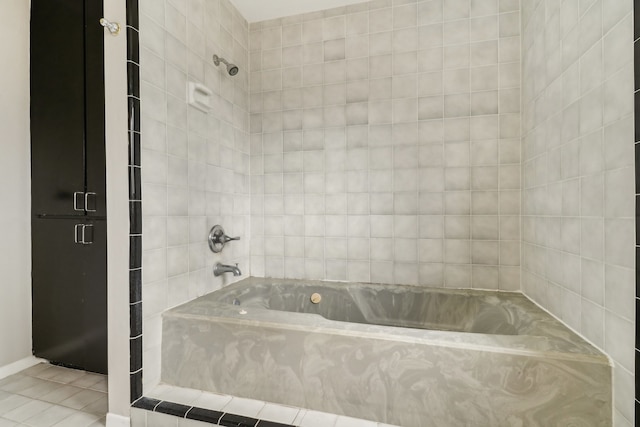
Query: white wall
15, 191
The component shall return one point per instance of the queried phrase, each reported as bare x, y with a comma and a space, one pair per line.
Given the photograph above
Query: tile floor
46, 395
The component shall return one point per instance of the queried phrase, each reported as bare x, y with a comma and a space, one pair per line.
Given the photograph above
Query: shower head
232, 69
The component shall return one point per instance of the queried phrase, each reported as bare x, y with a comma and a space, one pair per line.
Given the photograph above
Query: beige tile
21, 383
40, 389
78, 419
50, 416
92, 381
61, 393
22, 413
82, 399
12, 402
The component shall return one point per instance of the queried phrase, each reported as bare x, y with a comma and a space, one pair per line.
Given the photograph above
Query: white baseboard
20, 365
114, 420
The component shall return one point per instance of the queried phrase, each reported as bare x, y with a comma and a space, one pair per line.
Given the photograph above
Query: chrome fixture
221, 269
218, 238
232, 69
113, 27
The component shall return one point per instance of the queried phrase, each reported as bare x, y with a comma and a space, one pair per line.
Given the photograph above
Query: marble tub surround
539, 374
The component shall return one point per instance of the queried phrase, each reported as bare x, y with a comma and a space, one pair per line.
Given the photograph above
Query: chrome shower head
232, 69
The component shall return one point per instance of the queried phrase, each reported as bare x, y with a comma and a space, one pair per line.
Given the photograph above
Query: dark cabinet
67, 108
69, 298
68, 183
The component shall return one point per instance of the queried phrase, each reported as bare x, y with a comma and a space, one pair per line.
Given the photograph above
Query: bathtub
402, 355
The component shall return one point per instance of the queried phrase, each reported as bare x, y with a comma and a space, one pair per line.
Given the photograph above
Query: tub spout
221, 269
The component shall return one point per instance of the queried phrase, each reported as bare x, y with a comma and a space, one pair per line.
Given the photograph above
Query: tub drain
316, 298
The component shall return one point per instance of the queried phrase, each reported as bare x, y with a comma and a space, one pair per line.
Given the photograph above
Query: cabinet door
69, 293
57, 105
94, 304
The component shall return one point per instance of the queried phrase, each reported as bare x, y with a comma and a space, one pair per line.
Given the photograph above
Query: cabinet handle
83, 234
78, 205
76, 233
88, 206
87, 234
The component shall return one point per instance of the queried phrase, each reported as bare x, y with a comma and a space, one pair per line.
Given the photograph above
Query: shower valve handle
218, 238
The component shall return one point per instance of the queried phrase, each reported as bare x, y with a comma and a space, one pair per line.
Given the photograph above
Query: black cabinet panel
67, 106
68, 183
57, 104
94, 302
69, 282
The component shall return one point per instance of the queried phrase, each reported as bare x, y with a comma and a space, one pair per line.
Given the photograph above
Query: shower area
459, 144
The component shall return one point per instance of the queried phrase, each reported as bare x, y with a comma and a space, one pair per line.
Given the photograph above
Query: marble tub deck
536, 373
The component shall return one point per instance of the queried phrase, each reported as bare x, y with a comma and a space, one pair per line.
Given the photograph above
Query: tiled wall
385, 144
195, 165
578, 174
373, 157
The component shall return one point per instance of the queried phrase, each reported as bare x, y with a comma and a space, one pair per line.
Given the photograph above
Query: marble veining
408, 356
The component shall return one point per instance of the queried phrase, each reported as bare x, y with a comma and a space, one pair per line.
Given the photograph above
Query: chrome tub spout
221, 269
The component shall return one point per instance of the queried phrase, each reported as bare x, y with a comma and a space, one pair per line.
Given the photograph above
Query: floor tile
101, 385
67, 376
35, 369
27, 410
40, 389
41, 396
82, 399
20, 384
99, 407
50, 417
100, 423
78, 419
89, 380
12, 402
49, 372
61, 393
9, 379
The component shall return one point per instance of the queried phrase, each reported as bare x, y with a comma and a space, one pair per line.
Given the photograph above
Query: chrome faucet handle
218, 238
226, 238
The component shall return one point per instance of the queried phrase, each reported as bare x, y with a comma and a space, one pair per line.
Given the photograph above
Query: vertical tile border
636, 60
135, 201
